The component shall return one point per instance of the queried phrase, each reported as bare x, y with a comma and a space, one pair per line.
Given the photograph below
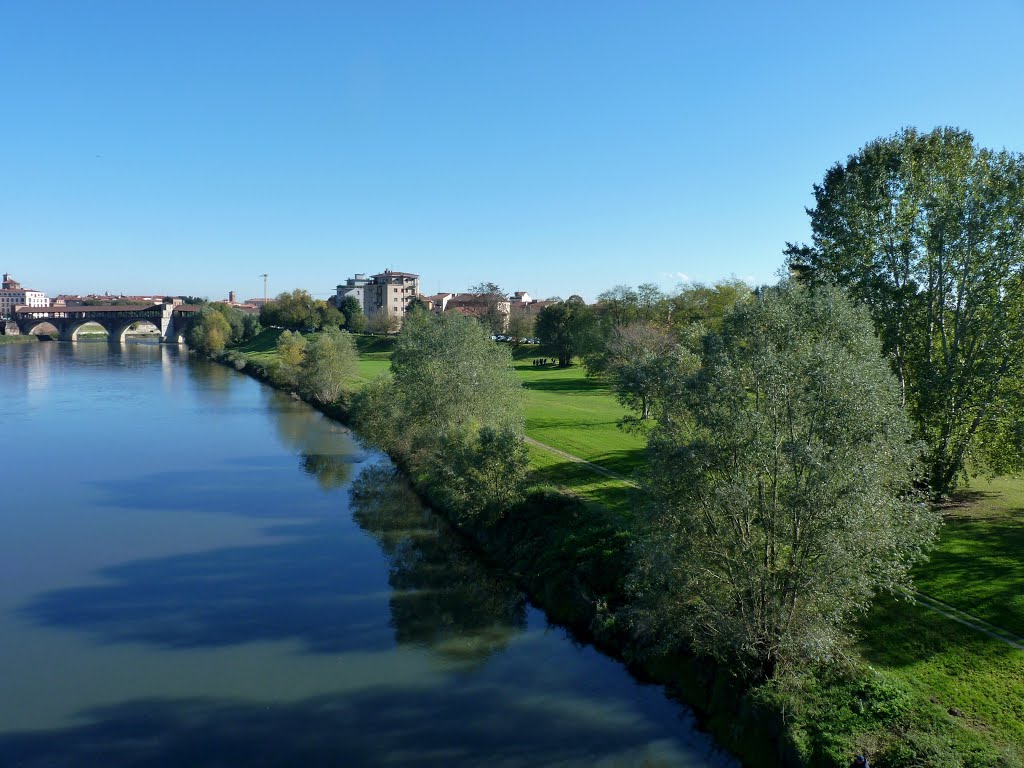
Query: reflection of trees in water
331, 472
326, 450
443, 597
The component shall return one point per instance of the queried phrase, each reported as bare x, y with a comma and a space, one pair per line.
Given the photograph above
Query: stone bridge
171, 320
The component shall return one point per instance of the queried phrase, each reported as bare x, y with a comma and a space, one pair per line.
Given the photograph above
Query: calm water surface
198, 571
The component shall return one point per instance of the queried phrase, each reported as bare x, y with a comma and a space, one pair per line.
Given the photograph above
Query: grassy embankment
20, 339
953, 695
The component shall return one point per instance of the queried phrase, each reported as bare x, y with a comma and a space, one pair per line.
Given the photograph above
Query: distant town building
353, 286
390, 293
13, 295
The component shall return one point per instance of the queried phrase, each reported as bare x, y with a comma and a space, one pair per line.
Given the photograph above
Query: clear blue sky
552, 147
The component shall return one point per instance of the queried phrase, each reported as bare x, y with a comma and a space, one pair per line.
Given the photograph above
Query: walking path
925, 601
962, 617
576, 459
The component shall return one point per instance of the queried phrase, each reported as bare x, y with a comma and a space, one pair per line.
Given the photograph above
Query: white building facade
13, 295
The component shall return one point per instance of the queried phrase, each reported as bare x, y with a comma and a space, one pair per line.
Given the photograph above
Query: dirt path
577, 460
962, 617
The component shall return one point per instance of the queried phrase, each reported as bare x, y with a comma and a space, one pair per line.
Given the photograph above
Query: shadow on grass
563, 385
977, 568
579, 480
631, 462
900, 633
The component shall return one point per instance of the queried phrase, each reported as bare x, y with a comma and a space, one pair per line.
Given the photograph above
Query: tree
416, 304
493, 306
639, 361
927, 230
327, 316
355, 319
234, 318
650, 300
295, 310
780, 484
209, 332
705, 305
447, 373
482, 474
566, 329
250, 325
290, 349
383, 323
521, 326
452, 399
329, 361
618, 306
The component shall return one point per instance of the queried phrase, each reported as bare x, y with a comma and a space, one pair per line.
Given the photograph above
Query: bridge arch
41, 327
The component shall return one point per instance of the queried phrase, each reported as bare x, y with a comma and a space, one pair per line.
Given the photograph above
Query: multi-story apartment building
13, 295
390, 292
353, 286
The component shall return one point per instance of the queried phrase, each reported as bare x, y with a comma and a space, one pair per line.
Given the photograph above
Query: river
196, 570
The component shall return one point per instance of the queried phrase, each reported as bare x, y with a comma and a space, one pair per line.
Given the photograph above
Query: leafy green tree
493, 304
705, 305
618, 306
780, 486
520, 326
926, 230
295, 310
328, 363
650, 301
452, 396
234, 318
383, 324
290, 350
640, 362
327, 316
567, 329
482, 474
416, 304
355, 319
250, 325
209, 332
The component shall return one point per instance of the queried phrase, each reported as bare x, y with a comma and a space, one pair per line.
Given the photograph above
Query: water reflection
325, 448
442, 597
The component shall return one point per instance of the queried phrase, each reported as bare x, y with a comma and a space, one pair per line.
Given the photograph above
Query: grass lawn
547, 469
977, 566
576, 414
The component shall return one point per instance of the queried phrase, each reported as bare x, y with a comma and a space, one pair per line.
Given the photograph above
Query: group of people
539, 361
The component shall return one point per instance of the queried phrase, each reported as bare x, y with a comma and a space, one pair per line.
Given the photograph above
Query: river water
196, 570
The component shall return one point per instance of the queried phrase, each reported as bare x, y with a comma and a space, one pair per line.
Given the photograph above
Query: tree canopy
927, 230
298, 311
566, 329
452, 412
780, 484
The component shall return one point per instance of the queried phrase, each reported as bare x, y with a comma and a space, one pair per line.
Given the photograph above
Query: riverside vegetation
758, 557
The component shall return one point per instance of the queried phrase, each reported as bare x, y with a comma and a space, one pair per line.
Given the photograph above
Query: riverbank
19, 339
917, 689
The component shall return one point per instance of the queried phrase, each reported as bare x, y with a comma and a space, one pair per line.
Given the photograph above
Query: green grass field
978, 567
576, 414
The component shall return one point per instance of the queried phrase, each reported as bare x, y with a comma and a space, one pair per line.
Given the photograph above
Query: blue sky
552, 147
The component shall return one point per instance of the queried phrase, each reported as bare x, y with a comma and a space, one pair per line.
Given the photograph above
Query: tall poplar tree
928, 231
